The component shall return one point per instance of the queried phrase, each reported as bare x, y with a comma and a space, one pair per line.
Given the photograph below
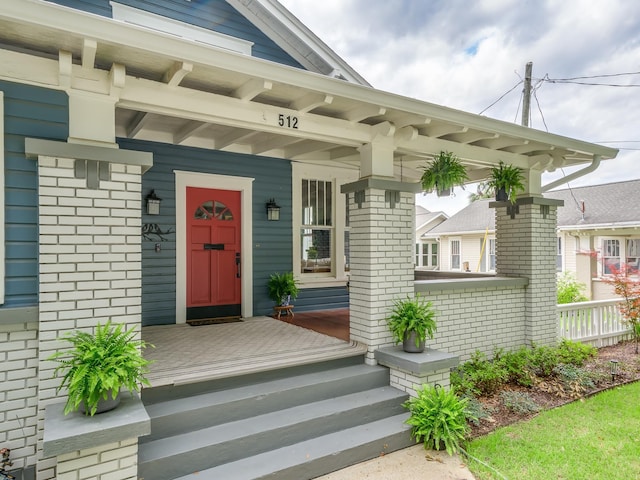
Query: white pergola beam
188, 130
251, 89
310, 101
362, 113
176, 73
137, 123
89, 49
234, 136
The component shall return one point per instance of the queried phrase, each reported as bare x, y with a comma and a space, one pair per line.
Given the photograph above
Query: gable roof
290, 34
473, 218
606, 205
610, 204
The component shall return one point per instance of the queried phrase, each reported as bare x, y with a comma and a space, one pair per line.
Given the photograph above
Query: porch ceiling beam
153, 97
407, 119
500, 142
137, 123
251, 89
271, 144
362, 113
188, 130
344, 153
310, 101
476, 155
176, 73
470, 137
304, 147
89, 49
440, 130
524, 148
234, 136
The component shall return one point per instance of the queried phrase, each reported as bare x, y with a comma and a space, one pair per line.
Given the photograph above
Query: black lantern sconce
613, 365
273, 210
153, 203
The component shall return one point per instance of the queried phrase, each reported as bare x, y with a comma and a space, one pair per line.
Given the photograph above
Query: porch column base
410, 371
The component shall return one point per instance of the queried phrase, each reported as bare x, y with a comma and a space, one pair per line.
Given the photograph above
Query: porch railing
597, 323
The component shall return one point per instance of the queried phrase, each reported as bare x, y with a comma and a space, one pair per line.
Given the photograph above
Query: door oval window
212, 209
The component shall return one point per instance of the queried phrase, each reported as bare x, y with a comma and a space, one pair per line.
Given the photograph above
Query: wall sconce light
273, 210
613, 364
153, 203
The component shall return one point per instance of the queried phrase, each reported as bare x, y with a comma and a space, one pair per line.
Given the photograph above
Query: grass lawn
598, 438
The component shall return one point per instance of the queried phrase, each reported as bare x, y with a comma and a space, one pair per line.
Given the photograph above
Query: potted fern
282, 288
412, 320
507, 181
443, 173
98, 366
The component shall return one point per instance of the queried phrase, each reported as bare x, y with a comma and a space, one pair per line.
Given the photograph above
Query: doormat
213, 321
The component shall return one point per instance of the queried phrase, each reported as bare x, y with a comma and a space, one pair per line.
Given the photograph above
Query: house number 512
287, 121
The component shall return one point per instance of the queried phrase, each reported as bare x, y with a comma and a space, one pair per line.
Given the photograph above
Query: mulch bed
548, 395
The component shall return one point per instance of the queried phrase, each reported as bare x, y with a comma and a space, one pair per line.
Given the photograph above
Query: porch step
212, 430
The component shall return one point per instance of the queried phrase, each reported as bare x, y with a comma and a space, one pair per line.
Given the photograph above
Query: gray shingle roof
611, 203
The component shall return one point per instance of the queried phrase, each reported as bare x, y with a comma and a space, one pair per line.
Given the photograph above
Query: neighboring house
162, 159
597, 230
427, 249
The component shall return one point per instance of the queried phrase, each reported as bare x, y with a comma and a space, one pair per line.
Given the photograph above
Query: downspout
595, 163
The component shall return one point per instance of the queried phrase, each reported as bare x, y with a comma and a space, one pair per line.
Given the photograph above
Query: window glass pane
329, 204
316, 250
610, 256
305, 203
633, 254
313, 203
455, 254
434, 254
321, 205
347, 252
492, 254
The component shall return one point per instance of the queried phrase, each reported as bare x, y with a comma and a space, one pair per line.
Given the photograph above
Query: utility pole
526, 100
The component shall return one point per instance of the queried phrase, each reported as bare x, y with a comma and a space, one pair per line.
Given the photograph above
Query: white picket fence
597, 323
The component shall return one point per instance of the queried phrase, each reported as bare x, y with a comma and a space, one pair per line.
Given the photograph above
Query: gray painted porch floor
185, 354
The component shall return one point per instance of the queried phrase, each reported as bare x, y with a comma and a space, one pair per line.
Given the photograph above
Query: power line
501, 97
600, 76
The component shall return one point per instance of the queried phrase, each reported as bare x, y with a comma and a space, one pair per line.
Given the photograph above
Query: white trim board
221, 182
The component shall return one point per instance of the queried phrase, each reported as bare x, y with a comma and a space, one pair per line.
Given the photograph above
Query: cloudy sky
467, 54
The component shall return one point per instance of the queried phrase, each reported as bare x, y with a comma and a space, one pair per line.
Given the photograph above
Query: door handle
237, 265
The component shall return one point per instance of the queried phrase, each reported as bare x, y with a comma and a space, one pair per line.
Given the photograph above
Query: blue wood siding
311, 299
28, 112
216, 15
272, 241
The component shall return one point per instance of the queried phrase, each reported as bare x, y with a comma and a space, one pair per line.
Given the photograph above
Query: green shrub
482, 376
438, 418
544, 359
575, 353
519, 402
569, 289
518, 365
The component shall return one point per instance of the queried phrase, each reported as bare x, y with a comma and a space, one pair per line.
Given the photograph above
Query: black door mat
213, 321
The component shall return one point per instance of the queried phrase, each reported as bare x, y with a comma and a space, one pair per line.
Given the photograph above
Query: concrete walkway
413, 463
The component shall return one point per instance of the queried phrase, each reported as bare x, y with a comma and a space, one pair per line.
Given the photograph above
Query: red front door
213, 253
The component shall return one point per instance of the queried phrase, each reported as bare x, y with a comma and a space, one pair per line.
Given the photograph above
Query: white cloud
465, 55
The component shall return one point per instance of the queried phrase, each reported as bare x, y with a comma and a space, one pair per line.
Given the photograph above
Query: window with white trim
491, 254
610, 256
632, 254
455, 253
427, 254
559, 255
321, 225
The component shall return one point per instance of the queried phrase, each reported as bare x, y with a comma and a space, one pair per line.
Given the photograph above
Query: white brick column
381, 216
526, 246
90, 271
